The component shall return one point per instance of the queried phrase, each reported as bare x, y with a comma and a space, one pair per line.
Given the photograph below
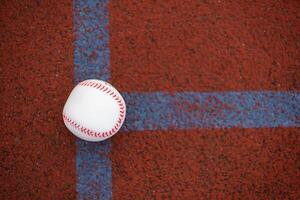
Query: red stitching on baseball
104, 88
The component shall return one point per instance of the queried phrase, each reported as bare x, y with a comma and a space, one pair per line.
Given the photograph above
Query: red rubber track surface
37, 152
205, 45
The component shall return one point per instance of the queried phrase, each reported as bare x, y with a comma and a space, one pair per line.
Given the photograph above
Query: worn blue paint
189, 110
91, 51
93, 167
91, 60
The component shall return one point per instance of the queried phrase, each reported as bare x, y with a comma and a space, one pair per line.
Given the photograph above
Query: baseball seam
103, 88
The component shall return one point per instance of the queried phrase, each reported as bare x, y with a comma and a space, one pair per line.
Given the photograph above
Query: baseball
94, 111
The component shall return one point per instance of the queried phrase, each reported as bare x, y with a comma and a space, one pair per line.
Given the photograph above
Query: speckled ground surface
205, 45
208, 46
154, 46
37, 152
207, 164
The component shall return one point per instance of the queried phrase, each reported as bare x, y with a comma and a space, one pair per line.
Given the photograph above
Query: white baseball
94, 111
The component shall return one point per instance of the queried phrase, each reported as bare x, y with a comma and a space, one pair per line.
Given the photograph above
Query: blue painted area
94, 170
91, 60
91, 51
189, 110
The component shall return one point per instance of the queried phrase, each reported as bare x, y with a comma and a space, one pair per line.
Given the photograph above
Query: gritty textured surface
169, 46
196, 46
37, 152
207, 164
205, 45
